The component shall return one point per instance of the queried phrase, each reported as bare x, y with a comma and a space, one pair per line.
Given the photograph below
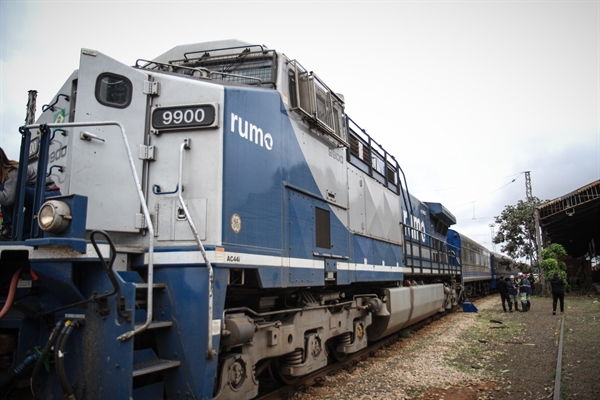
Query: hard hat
512, 277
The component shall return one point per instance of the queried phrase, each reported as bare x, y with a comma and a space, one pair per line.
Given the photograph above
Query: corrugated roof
573, 220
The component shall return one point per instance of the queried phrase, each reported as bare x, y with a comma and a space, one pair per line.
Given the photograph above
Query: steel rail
558, 376
288, 391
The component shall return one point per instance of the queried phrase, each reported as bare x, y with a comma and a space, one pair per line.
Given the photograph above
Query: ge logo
236, 223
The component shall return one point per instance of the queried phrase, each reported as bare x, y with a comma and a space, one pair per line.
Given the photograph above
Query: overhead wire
516, 176
492, 192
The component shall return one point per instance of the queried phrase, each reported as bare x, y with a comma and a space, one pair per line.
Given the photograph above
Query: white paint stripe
222, 257
194, 257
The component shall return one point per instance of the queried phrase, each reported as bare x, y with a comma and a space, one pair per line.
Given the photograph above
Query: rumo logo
418, 226
251, 132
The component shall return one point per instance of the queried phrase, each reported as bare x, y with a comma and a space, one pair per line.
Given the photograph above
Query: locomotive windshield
113, 90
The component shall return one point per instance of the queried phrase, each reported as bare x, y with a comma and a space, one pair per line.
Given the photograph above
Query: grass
581, 343
477, 346
405, 334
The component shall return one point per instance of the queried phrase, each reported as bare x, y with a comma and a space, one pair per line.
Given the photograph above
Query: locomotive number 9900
183, 117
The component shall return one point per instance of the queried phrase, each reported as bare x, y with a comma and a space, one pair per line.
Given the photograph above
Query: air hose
40, 361
61, 344
18, 370
11, 293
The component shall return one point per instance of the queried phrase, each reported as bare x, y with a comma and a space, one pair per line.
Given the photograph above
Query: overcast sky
466, 95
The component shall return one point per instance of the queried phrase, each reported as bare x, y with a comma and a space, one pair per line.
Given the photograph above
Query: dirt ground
489, 355
521, 353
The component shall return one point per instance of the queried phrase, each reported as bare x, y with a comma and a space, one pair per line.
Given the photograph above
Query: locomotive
221, 221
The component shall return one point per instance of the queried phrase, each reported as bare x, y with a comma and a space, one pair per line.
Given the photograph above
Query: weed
405, 334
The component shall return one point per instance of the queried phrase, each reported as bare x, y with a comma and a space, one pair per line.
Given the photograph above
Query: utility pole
528, 187
493, 244
31, 106
529, 195
536, 217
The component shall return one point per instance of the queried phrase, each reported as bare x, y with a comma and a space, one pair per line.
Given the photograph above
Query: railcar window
322, 228
113, 90
392, 175
371, 158
358, 149
378, 164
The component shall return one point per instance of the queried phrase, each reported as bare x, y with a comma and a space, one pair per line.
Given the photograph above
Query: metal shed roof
573, 220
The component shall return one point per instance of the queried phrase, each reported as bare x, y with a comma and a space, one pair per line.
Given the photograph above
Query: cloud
465, 95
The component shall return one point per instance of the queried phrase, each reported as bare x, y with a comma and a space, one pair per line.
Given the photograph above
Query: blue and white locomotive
221, 220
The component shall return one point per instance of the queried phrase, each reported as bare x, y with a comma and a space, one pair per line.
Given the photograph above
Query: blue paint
187, 301
453, 240
469, 307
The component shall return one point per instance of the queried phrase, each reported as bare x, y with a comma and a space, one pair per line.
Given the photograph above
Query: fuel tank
407, 305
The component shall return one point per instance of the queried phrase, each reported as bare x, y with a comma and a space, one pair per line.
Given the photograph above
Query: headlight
54, 216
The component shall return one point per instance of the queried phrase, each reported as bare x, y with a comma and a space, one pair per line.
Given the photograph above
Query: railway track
287, 391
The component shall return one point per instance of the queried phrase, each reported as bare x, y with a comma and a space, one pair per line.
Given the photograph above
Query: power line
482, 197
460, 221
467, 185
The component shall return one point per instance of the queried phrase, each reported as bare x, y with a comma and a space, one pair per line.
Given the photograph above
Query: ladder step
155, 324
155, 285
149, 367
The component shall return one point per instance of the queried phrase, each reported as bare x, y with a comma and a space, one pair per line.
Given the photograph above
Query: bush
552, 261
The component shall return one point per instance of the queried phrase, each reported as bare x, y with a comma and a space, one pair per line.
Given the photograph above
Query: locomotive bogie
296, 341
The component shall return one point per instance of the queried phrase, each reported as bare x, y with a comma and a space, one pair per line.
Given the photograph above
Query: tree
516, 230
552, 261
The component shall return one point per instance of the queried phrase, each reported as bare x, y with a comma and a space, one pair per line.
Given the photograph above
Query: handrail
205, 72
446, 250
145, 210
157, 191
18, 216
50, 107
210, 352
185, 55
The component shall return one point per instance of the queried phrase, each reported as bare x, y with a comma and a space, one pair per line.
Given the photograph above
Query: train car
480, 267
221, 221
501, 265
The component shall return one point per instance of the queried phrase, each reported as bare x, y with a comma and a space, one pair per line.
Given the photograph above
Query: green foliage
552, 261
555, 251
405, 334
549, 264
516, 230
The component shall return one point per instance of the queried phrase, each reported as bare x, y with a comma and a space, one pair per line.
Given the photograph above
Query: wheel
336, 355
275, 370
334, 342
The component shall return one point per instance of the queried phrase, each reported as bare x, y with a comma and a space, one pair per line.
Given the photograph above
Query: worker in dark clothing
525, 292
558, 293
503, 289
531, 282
513, 293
